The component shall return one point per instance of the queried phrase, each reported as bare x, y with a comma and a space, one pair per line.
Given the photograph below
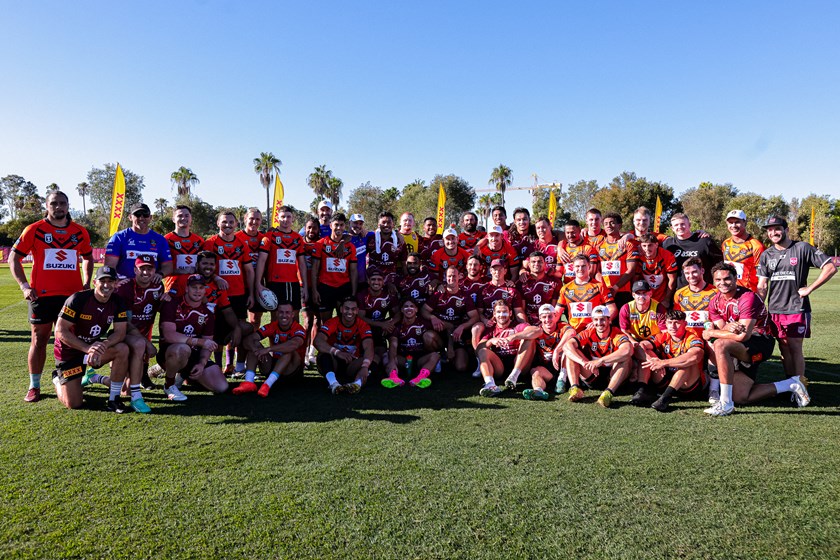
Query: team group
587, 307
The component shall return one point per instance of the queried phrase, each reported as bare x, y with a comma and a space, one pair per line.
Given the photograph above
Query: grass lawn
441, 473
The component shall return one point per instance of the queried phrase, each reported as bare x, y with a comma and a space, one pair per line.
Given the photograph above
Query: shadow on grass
7, 335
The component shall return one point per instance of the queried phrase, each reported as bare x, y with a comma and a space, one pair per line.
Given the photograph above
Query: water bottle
409, 361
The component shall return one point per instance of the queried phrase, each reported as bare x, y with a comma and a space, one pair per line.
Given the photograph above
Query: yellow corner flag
552, 208
117, 201
657, 216
279, 195
441, 209
813, 215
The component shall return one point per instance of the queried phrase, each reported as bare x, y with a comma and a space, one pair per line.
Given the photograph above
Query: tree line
22, 202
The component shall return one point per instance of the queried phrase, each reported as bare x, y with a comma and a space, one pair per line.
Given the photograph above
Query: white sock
725, 393
331, 378
250, 376
272, 378
34, 380
115, 391
714, 385
564, 375
489, 383
784, 386
514, 375
240, 367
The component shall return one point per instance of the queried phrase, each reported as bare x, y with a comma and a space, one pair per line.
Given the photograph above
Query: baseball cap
545, 308
357, 218
641, 286
196, 279
496, 229
324, 203
138, 206
144, 260
737, 214
602, 310
371, 272
496, 262
775, 221
450, 231
106, 272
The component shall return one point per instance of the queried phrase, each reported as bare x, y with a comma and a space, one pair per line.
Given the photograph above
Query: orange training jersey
283, 250
695, 305
334, 271
580, 299
55, 255
231, 258
669, 348
584, 249
593, 346
744, 257
614, 262
184, 251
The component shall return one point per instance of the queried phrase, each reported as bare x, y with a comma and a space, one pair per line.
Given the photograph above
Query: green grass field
440, 473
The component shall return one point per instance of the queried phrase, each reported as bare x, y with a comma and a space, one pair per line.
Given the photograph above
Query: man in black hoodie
685, 244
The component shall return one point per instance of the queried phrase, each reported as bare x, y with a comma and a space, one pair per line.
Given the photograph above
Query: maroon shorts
795, 325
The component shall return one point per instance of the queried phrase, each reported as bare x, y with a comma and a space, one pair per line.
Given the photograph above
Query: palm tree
333, 193
501, 179
319, 181
83, 190
265, 165
184, 179
485, 205
161, 204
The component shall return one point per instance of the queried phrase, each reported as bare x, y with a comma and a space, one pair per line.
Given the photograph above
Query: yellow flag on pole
279, 195
552, 207
117, 201
441, 209
657, 216
813, 215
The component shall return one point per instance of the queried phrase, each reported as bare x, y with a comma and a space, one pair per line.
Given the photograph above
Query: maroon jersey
144, 304
348, 339
91, 320
278, 335
452, 308
415, 287
523, 246
410, 337
388, 253
547, 342
550, 251
428, 245
473, 287
535, 293
507, 348
192, 321
744, 305
491, 293
376, 307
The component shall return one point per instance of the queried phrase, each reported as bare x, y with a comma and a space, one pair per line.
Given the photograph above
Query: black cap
139, 206
641, 286
196, 279
775, 221
106, 272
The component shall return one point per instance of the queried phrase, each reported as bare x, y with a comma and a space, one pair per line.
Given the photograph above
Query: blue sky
388, 92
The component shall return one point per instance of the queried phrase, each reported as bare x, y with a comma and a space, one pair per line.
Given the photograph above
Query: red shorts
796, 325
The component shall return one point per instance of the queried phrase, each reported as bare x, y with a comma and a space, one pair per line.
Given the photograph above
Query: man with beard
475, 278
415, 284
430, 241
618, 265
84, 320
469, 236
742, 333
685, 244
412, 343
311, 316
783, 275
325, 212
450, 255
386, 248
251, 236
536, 287
282, 358
126, 245
412, 240
598, 357
345, 349
55, 243
359, 238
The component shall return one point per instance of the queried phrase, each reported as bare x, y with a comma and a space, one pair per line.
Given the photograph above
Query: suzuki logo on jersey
48, 238
60, 259
188, 259
95, 330
61, 256
580, 307
694, 316
229, 264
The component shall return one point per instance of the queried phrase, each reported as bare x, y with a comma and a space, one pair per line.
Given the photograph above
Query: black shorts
621, 298
327, 363
599, 380
539, 362
760, 348
45, 310
195, 356
68, 370
508, 361
445, 336
239, 304
286, 292
221, 331
331, 297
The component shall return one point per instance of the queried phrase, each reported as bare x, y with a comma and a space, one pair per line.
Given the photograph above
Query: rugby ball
267, 299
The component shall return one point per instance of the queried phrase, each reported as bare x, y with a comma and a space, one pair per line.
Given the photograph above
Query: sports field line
821, 372
13, 305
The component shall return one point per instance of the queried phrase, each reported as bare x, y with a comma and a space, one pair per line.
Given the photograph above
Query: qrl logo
61, 256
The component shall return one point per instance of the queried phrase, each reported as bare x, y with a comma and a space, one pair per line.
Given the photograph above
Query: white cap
450, 231
357, 218
738, 214
602, 310
545, 308
324, 203
496, 229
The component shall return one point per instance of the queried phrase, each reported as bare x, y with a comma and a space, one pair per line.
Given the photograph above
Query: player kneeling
345, 349
186, 342
418, 346
500, 351
599, 356
283, 357
674, 365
